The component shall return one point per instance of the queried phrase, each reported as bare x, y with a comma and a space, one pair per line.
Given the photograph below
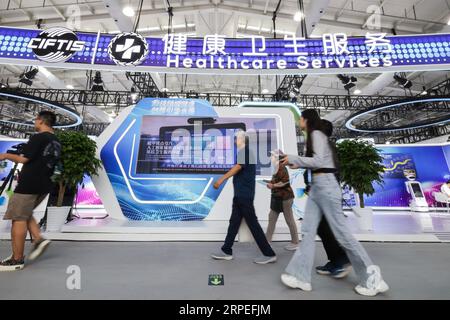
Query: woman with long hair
325, 198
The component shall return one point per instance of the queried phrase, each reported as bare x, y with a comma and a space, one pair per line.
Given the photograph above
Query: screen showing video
190, 145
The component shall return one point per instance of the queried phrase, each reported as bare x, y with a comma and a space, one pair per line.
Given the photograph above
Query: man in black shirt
38, 157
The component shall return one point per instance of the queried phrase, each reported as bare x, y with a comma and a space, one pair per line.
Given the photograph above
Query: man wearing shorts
38, 158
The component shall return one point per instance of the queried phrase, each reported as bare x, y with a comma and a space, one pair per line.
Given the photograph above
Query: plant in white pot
360, 166
78, 158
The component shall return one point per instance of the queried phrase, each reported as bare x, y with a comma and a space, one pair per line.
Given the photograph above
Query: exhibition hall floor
175, 270
394, 226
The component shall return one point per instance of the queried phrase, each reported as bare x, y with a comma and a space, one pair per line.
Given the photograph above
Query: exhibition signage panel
162, 156
331, 53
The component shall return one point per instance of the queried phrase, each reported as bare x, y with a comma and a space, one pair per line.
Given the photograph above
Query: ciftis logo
128, 49
56, 45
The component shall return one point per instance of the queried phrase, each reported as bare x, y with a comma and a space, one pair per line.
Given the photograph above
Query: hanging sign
331, 53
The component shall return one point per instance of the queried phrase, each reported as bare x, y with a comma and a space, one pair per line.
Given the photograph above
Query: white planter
365, 218
56, 217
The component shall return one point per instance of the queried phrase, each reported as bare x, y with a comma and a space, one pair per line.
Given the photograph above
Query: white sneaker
265, 260
38, 249
221, 256
364, 291
291, 247
293, 282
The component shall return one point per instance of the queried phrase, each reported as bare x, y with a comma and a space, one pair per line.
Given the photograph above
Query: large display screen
193, 145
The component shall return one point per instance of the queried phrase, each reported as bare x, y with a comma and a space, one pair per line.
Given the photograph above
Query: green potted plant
78, 158
360, 166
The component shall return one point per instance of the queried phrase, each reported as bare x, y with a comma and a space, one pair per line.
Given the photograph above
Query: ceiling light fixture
128, 11
28, 76
298, 16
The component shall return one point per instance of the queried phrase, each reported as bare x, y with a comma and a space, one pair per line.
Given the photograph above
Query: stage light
134, 94
4, 85
424, 92
357, 91
128, 11
28, 76
98, 82
70, 87
348, 82
298, 16
297, 85
405, 83
264, 91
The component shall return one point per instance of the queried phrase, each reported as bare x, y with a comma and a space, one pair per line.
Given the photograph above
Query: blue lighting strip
71, 113
352, 118
431, 50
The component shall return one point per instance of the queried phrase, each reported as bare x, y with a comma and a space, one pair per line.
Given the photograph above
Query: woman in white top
325, 198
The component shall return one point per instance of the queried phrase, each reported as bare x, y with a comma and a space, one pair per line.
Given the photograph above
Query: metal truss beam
324, 103
417, 135
121, 99
144, 82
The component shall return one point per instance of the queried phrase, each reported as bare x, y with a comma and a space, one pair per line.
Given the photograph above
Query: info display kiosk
418, 201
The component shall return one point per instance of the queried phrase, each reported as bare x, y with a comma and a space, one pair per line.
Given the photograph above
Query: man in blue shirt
244, 174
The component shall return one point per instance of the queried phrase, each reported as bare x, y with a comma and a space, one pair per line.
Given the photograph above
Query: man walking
38, 157
244, 174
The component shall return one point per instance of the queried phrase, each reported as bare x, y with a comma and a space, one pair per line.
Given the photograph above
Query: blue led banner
60, 47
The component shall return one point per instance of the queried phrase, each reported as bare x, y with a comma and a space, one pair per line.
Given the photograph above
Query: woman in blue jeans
325, 198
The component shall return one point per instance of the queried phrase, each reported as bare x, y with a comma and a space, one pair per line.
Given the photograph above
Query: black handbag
276, 204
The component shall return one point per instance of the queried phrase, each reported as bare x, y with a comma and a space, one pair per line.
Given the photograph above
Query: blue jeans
325, 198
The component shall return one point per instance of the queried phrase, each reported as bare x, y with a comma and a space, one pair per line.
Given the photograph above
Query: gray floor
152, 270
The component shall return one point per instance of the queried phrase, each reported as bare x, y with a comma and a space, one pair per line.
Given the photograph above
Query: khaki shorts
21, 206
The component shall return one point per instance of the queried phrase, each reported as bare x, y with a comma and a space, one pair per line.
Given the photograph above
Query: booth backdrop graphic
431, 166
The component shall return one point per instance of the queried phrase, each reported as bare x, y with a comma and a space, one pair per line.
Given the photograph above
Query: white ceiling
231, 18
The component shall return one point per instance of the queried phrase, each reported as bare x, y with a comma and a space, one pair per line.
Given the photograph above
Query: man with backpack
39, 157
